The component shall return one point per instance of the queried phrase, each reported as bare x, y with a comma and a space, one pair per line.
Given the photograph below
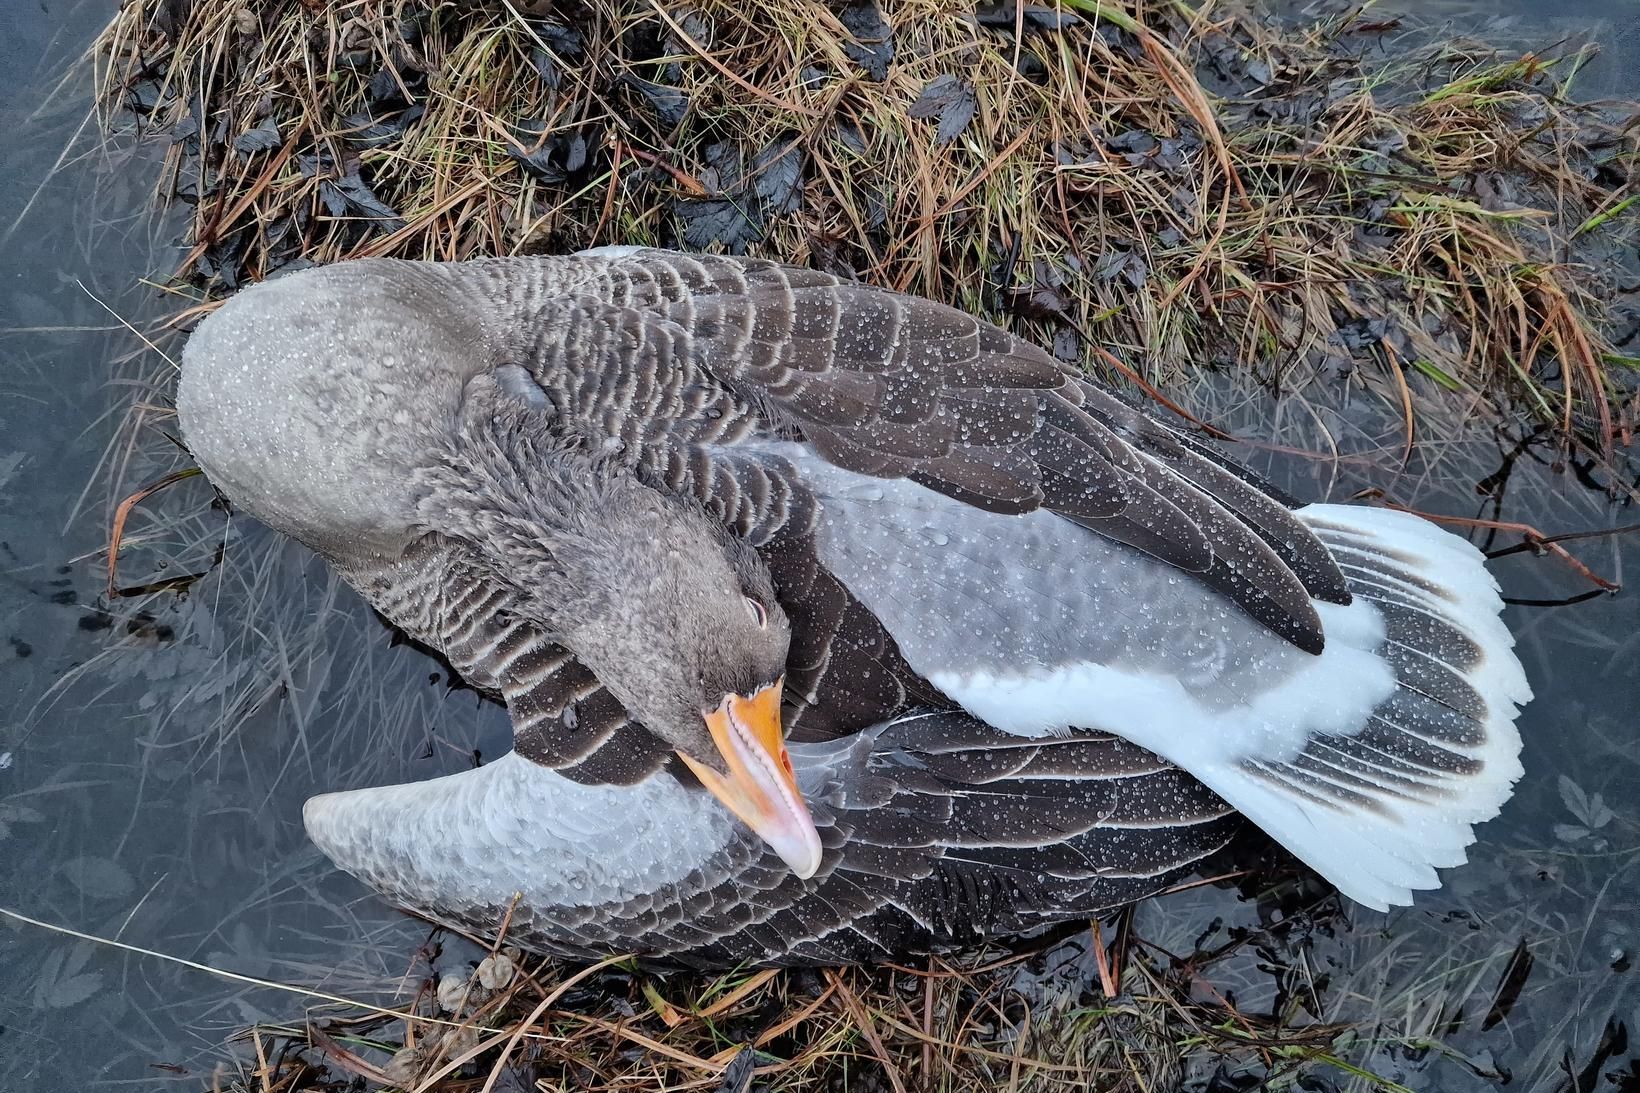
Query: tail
1375, 810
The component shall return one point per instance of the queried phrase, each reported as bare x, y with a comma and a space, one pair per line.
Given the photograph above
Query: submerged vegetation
1162, 192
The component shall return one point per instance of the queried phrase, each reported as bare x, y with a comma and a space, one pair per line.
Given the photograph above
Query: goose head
677, 618
687, 632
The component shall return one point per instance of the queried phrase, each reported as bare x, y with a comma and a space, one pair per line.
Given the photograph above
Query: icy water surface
153, 761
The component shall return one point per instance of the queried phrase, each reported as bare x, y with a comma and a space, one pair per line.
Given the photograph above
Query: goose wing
687, 356
937, 830
563, 718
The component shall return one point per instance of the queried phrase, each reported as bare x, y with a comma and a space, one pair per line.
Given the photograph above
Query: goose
834, 623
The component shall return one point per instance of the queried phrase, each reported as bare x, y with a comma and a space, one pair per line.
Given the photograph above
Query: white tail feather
1378, 834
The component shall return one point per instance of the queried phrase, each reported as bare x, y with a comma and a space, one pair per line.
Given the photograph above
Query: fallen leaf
716, 220
779, 177
872, 47
669, 104
99, 878
350, 194
949, 98
1033, 16
264, 138
552, 159
560, 42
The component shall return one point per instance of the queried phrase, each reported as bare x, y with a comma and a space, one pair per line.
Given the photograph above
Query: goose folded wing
888, 385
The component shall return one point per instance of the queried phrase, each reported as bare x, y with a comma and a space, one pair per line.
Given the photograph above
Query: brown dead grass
1302, 214
987, 1022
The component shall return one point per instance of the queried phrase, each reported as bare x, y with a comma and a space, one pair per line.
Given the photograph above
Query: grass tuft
1186, 186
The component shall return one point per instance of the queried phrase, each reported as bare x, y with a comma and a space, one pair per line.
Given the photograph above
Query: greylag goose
834, 622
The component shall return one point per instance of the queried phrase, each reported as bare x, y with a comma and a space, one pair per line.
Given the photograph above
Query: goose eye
759, 613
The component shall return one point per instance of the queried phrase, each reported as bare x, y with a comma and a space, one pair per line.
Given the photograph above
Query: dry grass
1027, 1021
1155, 190
1180, 187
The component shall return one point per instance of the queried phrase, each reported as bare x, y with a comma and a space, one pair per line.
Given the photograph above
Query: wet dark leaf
717, 221
98, 878
367, 131
1515, 974
169, 18
350, 195
334, 200
186, 131
724, 170
1037, 302
562, 40
669, 104
551, 159
951, 100
1362, 333
546, 66
1032, 68
264, 138
1171, 156
876, 203
873, 45
1134, 142
1135, 272
1033, 17
142, 96
384, 86
849, 135
537, 162
779, 169
1067, 345
697, 27
314, 164
575, 154
222, 260
1111, 263
737, 1076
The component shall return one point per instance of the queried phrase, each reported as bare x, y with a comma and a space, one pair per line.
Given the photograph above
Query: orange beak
760, 788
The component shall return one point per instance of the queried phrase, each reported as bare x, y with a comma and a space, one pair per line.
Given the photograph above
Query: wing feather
896, 386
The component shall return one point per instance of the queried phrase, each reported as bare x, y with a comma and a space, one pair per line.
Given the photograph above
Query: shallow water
153, 759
